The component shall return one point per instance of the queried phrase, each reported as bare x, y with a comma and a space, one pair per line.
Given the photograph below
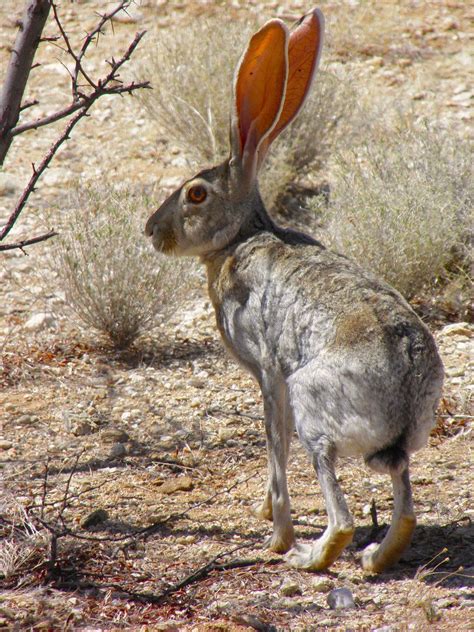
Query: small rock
322, 585
290, 588
117, 450
454, 371
182, 484
96, 517
224, 434
128, 17
40, 321
82, 429
25, 420
340, 599
5, 445
457, 329
446, 603
8, 186
114, 435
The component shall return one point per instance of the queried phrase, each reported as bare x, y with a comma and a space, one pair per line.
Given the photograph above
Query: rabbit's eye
197, 194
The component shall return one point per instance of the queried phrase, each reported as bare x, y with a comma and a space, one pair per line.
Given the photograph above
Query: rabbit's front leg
276, 505
264, 510
338, 534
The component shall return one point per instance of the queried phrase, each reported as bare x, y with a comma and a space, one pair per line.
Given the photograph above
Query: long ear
259, 93
304, 52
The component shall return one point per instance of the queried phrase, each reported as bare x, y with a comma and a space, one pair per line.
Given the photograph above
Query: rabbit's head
270, 85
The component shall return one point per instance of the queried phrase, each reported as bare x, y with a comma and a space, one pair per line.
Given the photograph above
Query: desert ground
128, 477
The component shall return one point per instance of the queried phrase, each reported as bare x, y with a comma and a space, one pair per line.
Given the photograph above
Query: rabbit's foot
263, 510
377, 557
322, 553
281, 541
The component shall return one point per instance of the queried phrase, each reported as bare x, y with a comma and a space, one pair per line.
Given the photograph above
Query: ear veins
260, 85
304, 51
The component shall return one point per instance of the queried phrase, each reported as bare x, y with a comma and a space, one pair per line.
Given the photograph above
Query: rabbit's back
349, 348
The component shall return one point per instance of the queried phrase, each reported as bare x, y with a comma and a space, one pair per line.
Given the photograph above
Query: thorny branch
80, 106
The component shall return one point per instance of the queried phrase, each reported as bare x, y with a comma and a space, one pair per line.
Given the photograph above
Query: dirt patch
85, 430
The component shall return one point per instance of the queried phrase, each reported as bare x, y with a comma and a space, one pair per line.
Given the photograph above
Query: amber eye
197, 194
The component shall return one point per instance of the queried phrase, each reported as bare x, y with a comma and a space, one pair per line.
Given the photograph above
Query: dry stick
81, 102
37, 171
20, 245
89, 100
19, 68
146, 531
196, 576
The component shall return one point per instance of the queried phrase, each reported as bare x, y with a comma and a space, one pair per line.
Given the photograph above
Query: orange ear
304, 51
259, 91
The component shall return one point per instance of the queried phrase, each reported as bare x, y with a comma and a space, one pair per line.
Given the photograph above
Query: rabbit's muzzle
162, 240
160, 228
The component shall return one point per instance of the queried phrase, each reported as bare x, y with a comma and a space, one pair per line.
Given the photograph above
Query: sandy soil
165, 442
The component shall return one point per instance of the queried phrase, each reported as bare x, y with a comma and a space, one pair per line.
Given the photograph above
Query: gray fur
338, 354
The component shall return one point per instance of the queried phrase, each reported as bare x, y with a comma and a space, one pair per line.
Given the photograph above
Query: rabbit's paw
262, 511
322, 553
280, 541
377, 557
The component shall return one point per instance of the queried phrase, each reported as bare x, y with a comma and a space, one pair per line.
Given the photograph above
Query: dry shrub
112, 278
191, 70
402, 205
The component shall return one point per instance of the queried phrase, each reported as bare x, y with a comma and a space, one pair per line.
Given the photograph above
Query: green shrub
401, 205
112, 278
191, 70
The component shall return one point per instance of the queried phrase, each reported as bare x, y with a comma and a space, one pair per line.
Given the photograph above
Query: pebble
127, 17
290, 588
8, 185
117, 450
322, 585
114, 435
182, 484
25, 420
340, 599
40, 321
5, 445
82, 429
457, 329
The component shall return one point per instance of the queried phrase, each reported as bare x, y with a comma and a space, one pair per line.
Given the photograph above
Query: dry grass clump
191, 71
402, 205
112, 278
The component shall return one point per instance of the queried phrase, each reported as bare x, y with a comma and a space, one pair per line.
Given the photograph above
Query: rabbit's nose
150, 226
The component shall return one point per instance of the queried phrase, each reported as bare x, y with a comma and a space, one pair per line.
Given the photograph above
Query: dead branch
196, 576
19, 67
80, 106
20, 245
37, 171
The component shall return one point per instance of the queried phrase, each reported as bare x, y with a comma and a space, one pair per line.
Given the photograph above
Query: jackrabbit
337, 353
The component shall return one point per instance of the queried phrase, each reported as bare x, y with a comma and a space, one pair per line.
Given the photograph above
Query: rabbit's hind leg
338, 534
378, 557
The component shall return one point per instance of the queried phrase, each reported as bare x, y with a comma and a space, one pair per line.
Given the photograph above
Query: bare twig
37, 171
80, 106
196, 576
20, 245
19, 68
